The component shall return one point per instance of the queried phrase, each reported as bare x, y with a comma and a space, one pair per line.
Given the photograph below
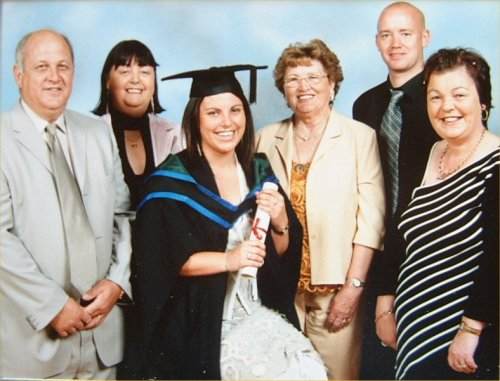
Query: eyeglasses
311, 79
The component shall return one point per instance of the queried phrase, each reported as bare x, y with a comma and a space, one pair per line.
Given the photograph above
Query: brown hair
302, 54
474, 63
191, 128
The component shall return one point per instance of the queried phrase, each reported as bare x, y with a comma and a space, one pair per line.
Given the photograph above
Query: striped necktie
390, 133
79, 237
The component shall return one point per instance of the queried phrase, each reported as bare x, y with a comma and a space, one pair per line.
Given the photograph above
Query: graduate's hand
248, 253
273, 203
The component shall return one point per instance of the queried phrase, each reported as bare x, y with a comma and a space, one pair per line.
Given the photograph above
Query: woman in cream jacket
329, 165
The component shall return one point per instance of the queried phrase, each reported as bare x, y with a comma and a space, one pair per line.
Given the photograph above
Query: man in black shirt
401, 39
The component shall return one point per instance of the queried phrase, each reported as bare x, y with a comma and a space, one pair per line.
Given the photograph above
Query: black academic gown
182, 316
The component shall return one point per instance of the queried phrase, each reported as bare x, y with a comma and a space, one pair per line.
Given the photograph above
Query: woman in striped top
445, 302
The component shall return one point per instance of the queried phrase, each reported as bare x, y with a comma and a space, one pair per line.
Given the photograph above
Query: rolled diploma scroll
259, 229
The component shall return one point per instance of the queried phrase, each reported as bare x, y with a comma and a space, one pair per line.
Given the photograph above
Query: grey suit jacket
33, 268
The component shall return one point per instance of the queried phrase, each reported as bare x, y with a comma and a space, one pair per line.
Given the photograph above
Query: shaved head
403, 6
401, 39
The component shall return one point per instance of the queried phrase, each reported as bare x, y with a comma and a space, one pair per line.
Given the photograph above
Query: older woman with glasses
329, 165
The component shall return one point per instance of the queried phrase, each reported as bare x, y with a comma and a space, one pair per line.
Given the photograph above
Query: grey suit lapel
77, 137
27, 135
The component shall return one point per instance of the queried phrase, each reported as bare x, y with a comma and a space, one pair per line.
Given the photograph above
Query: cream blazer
345, 202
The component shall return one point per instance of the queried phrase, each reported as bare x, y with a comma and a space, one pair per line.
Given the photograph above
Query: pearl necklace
444, 174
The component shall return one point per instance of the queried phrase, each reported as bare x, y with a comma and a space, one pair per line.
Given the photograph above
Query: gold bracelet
382, 314
464, 327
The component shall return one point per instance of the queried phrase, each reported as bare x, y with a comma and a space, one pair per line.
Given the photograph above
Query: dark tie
79, 238
390, 133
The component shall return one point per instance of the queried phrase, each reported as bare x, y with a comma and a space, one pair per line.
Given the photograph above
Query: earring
152, 106
199, 149
107, 101
485, 114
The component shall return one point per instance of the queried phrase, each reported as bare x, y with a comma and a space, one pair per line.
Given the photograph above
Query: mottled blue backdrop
185, 35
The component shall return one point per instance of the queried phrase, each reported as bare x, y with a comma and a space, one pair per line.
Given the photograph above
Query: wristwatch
356, 282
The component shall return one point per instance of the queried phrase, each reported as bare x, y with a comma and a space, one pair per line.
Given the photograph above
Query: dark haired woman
445, 301
129, 103
202, 318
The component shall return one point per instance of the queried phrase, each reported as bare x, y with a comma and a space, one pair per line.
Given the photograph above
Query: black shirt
135, 182
417, 138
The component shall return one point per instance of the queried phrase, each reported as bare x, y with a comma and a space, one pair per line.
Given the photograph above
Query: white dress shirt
62, 135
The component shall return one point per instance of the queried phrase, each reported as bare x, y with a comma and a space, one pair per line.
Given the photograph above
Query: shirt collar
41, 123
411, 87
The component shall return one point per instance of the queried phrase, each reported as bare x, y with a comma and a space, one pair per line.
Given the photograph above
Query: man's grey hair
22, 43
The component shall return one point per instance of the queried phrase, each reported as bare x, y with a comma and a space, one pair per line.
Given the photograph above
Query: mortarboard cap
218, 80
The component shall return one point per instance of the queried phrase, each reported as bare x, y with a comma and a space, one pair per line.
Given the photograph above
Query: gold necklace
133, 141
299, 165
305, 139
444, 174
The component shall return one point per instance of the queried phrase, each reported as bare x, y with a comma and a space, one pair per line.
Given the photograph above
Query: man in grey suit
50, 326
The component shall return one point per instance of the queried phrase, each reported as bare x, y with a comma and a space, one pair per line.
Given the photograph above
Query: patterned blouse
298, 200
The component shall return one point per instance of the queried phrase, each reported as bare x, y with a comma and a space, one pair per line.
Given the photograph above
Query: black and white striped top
445, 229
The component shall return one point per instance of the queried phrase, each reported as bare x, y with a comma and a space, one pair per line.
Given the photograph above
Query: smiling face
401, 38
45, 79
453, 105
131, 87
311, 89
222, 124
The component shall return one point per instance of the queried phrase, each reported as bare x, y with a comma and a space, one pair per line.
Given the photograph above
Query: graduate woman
201, 318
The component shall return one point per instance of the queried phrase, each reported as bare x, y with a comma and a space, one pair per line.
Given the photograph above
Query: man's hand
104, 296
70, 319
